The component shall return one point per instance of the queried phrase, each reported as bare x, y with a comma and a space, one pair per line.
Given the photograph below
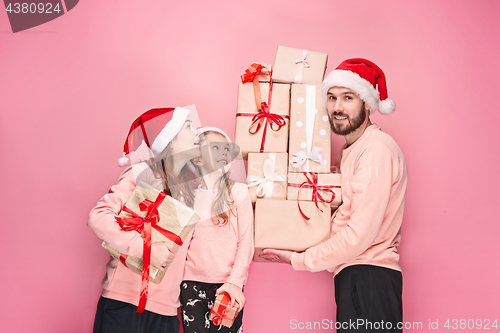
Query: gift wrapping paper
267, 175
293, 65
279, 225
325, 182
310, 136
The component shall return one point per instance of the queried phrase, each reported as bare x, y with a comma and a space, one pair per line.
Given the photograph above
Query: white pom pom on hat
363, 77
160, 125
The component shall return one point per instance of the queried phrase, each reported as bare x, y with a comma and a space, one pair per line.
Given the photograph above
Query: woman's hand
161, 255
234, 292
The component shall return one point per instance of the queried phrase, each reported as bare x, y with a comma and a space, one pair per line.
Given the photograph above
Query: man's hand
279, 256
161, 255
234, 292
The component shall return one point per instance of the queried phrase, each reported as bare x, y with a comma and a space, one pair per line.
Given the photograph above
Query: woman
174, 141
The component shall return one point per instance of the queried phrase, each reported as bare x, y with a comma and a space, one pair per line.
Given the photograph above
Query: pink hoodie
366, 228
121, 283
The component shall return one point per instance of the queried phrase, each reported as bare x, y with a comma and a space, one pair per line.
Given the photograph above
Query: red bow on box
140, 225
313, 183
263, 116
222, 310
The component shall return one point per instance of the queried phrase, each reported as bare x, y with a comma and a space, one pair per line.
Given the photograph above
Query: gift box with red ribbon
308, 186
293, 65
280, 225
158, 218
266, 175
310, 134
221, 312
262, 114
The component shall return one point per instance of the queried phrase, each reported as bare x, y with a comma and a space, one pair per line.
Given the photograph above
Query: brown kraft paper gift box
232, 312
306, 192
279, 225
269, 171
288, 63
310, 133
174, 217
276, 142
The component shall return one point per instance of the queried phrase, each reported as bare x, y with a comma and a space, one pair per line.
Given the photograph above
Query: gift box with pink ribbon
310, 135
293, 65
221, 312
317, 187
279, 224
266, 175
158, 218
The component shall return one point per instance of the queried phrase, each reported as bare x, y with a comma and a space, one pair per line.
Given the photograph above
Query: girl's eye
216, 148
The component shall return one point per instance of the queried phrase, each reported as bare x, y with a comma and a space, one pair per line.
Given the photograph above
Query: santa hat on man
363, 77
156, 128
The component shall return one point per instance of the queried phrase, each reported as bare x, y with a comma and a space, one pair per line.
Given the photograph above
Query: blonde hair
182, 188
222, 206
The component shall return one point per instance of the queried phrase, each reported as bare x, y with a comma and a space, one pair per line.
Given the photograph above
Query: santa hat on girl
156, 127
363, 77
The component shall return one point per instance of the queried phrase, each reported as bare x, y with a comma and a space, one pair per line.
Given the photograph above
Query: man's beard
353, 123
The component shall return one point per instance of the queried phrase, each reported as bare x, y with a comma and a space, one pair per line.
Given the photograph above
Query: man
365, 232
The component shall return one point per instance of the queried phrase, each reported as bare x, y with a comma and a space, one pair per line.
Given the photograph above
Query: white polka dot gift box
309, 143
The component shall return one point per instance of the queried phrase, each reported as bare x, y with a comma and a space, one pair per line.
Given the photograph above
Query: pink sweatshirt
366, 227
219, 254
121, 283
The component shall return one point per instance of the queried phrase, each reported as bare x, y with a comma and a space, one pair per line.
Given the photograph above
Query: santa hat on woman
363, 77
156, 128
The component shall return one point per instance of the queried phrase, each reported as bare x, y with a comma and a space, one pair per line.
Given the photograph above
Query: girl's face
215, 152
186, 142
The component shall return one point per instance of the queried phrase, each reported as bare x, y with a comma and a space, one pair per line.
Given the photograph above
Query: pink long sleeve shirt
366, 228
219, 254
120, 282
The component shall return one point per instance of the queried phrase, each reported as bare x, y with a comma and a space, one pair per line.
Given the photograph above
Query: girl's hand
234, 292
161, 255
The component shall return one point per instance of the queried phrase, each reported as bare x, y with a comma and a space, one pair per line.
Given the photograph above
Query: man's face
346, 111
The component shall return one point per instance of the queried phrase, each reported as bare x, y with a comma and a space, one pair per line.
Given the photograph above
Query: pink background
71, 88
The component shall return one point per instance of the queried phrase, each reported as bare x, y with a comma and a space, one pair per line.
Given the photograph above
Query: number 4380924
463, 324
32, 8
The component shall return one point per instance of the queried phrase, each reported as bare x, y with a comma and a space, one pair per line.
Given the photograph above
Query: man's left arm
371, 192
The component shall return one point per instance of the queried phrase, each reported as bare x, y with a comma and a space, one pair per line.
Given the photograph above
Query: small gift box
267, 173
280, 225
308, 186
310, 136
159, 218
263, 129
299, 66
221, 313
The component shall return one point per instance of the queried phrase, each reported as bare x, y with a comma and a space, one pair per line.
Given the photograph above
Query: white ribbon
301, 157
313, 153
265, 185
303, 64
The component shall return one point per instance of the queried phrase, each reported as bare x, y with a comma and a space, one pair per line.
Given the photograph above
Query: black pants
113, 316
369, 299
196, 301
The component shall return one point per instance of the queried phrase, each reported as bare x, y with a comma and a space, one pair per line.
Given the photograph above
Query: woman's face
215, 152
186, 143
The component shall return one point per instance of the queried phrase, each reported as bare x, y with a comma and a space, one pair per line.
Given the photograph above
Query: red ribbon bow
313, 183
263, 117
140, 225
222, 311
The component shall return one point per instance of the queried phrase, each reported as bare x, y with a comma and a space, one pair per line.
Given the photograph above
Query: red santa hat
363, 77
156, 127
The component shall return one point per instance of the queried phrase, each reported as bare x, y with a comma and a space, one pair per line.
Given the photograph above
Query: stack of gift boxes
282, 128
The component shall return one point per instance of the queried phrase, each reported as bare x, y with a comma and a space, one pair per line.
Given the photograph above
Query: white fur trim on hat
386, 106
214, 129
170, 130
351, 80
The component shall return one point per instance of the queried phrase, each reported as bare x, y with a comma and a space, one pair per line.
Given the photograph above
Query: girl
174, 142
221, 247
